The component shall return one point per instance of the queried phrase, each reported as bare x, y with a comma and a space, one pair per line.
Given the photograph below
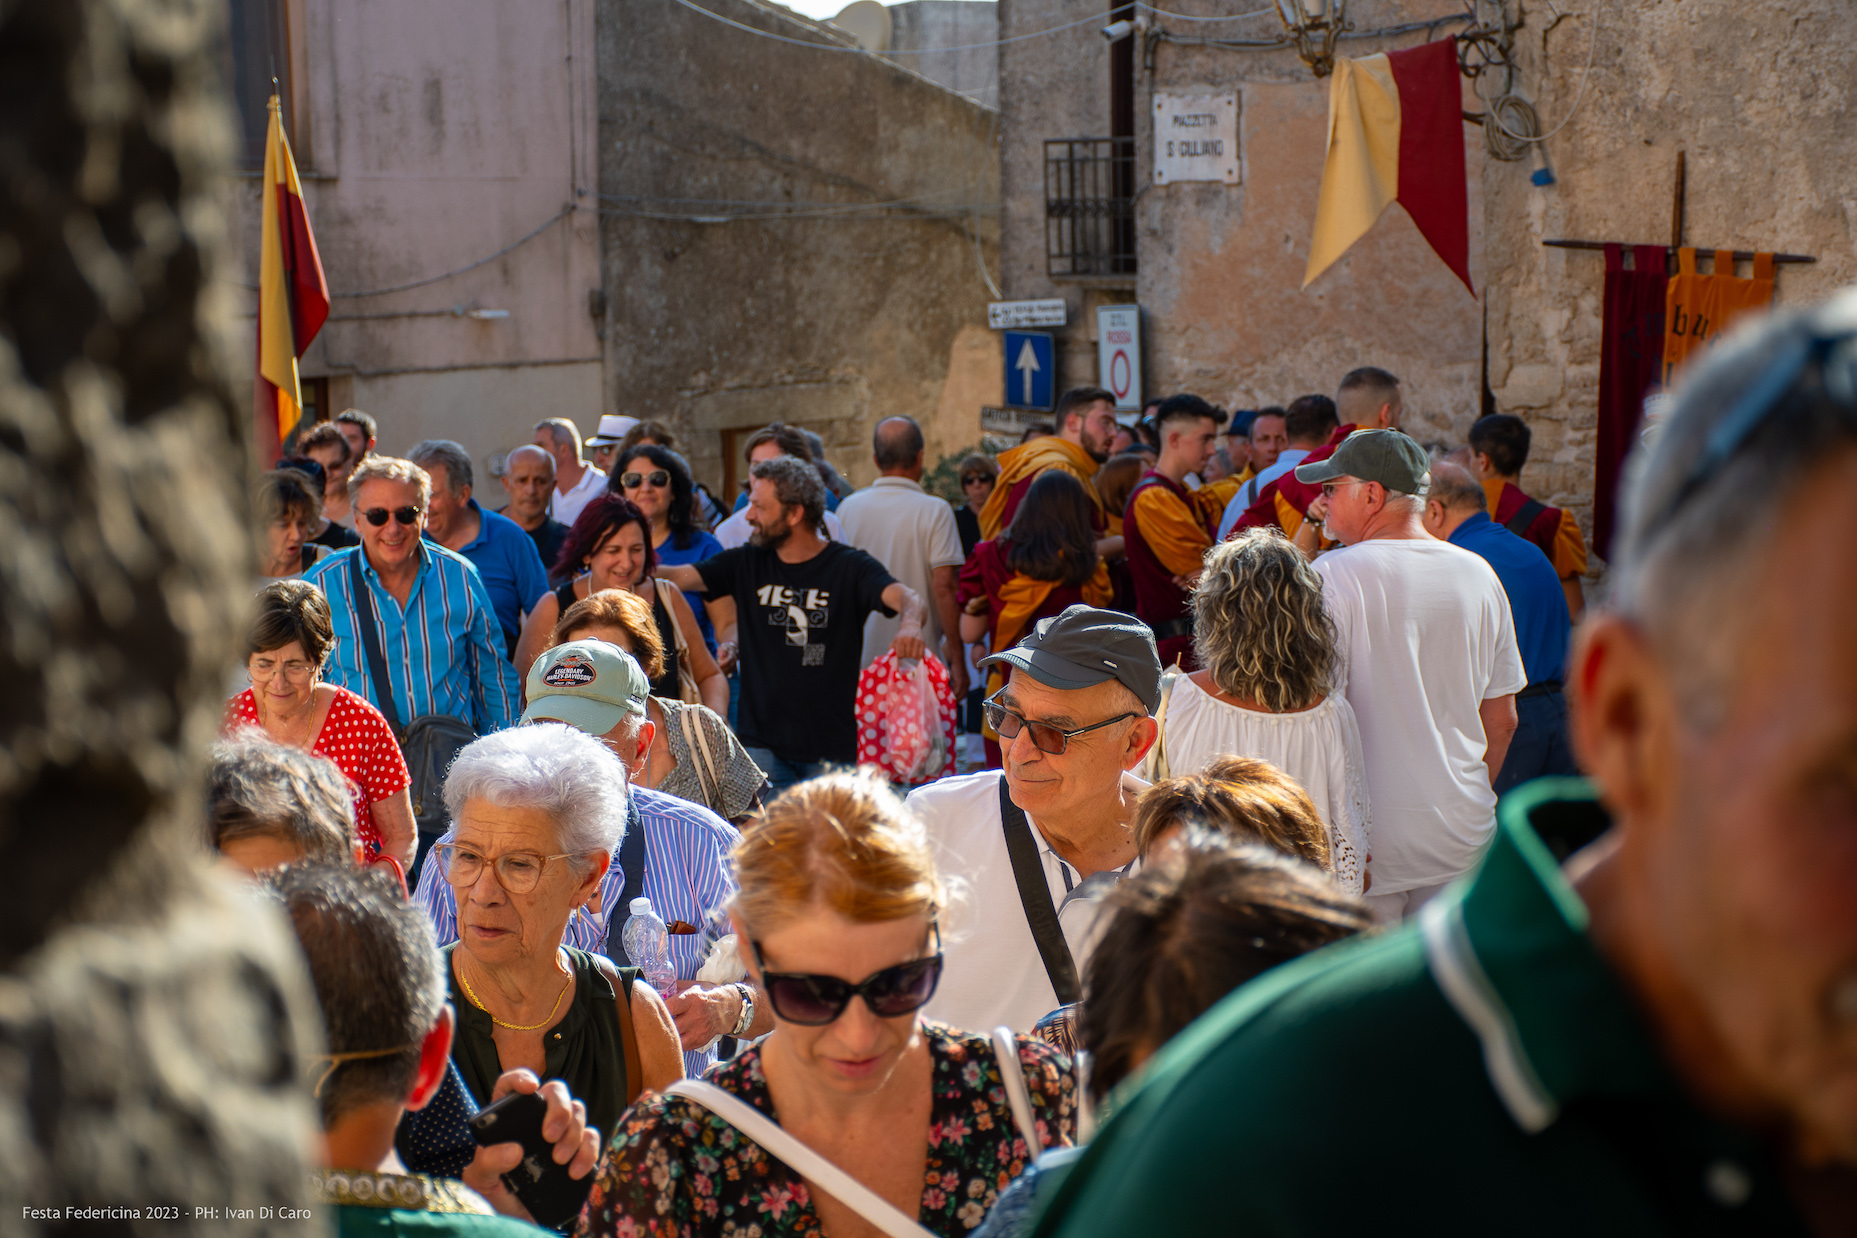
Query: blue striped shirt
688, 877
444, 648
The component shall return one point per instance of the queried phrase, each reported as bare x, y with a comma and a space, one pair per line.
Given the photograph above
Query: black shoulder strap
632, 864
1528, 513
1035, 894
366, 621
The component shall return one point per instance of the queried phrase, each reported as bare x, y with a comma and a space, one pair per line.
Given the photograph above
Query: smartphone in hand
552, 1197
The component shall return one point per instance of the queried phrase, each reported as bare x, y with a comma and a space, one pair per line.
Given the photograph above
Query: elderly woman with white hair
538, 813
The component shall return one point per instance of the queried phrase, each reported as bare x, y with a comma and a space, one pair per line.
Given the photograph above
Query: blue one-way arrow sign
1031, 369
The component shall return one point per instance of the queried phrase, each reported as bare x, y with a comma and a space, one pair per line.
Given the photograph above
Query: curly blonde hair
1260, 626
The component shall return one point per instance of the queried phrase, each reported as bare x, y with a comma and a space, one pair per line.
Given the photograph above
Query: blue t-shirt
700, 546
511, 567
1542, 621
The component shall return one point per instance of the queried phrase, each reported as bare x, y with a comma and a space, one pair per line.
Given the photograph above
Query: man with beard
799, 602
1085, 431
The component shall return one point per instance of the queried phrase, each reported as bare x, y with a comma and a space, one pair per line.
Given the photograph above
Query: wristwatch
741, 1024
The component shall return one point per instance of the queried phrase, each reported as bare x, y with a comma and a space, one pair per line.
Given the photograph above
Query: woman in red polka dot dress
291, 635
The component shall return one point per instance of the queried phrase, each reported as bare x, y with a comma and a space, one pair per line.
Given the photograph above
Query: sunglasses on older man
814, 1001
377, 516
1045, 737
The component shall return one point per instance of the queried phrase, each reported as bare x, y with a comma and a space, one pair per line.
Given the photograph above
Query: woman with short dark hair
979, 474
287, 644
1043, 562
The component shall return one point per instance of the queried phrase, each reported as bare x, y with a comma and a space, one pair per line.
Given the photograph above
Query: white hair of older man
554, 768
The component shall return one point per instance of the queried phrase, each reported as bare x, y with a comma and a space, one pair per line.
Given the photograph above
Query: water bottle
648, 944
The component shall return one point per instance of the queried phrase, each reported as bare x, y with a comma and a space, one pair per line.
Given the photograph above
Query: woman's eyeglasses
266, 668
1045, 737
517, 871
657, 477
377, 516
814, 1001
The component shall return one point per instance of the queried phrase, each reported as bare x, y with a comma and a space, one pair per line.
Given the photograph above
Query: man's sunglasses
814, 1001
1045, 737
377, 516
657, 477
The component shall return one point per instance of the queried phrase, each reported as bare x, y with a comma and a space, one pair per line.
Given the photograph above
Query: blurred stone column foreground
153, 1015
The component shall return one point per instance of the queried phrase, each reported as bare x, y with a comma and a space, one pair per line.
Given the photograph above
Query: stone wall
947, 41
793, 230
1760, 97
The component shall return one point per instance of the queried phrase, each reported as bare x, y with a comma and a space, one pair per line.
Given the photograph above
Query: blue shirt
688, 877
1248, 493
444, 648
511, 568
1543, 623
701, 546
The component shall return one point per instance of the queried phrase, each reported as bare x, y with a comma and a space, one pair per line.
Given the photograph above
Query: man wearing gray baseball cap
1034, 845
1431, 665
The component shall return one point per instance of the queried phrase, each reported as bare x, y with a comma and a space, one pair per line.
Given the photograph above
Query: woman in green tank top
537, 813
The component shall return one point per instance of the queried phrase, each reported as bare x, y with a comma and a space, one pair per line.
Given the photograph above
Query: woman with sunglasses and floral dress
657, 481
837, 913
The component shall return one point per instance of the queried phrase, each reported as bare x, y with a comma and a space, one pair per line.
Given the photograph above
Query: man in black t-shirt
800, 602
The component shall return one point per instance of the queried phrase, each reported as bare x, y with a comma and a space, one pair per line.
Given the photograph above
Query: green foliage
944, 480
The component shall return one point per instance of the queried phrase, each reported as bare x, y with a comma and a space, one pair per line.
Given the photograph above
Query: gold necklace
515, 1027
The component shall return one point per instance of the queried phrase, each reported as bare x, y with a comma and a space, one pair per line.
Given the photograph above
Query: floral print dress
676, 1170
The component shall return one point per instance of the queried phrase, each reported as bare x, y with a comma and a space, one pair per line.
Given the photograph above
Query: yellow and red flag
1395, 134
293, 296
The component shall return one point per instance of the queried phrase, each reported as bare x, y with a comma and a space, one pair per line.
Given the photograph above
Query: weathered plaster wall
791, 232
1221, 266
1760, 96
425, 146
947, 41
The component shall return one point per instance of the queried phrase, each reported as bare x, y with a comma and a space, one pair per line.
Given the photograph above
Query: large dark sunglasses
1045, 737
814, 1001
657, 477
377, 516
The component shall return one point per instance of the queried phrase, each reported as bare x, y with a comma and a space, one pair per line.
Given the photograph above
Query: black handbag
430, 743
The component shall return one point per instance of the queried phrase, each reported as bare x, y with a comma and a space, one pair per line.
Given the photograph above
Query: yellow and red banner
293, 296
1395, 134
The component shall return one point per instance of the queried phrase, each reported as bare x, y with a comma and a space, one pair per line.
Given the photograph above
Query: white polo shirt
993, 975
566, 506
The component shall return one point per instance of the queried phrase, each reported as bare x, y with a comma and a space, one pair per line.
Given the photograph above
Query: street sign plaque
1005, 315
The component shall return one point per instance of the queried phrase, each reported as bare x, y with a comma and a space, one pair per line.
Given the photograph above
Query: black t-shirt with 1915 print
800, 629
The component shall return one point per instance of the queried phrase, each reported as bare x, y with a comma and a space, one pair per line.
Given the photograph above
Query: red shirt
985, 573
358, 740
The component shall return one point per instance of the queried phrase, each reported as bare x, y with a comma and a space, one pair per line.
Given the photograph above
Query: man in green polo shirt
1661, 1040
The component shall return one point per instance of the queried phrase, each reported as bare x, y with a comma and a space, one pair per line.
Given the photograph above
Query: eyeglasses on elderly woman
516, 871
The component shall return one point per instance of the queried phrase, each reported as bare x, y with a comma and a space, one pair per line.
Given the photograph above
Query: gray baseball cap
1085, 646
588, 684
1385, 456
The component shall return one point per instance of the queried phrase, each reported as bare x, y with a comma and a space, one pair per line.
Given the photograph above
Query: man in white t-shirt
1073, 719
1431, 666
911, 532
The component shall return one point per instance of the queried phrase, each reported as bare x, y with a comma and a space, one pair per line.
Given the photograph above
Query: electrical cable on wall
563, 213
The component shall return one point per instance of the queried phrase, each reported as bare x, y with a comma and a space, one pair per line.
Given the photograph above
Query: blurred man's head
376, 968
897, 447
448, 464
1715, 706
359, 429
1269, 436
560, 438
1189, 428
327, 446
1499, 446
529, 480
1454, 497
1369, 398
268, 804
1309, 422
1086, 416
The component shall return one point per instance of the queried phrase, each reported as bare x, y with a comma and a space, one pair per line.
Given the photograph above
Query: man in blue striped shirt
437, 627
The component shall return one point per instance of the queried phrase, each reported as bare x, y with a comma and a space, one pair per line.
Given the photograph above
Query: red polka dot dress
357, 738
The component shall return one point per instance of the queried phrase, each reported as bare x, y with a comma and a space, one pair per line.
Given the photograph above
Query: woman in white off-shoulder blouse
1263, 635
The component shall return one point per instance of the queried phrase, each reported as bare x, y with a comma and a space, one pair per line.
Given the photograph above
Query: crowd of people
1244, 687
